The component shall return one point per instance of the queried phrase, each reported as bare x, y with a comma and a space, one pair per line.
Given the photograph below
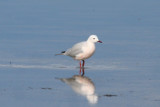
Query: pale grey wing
75, 50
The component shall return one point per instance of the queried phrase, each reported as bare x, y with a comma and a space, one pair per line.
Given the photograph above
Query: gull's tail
62, 53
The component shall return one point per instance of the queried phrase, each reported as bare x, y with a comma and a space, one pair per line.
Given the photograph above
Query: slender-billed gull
82, 50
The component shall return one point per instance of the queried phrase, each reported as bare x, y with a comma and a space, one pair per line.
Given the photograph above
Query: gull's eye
93, 38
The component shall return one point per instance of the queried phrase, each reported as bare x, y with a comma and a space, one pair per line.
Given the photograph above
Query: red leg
82, 71
83, 63
80, 67
80, 63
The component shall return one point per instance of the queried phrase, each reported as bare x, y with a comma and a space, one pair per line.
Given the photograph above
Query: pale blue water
125, 65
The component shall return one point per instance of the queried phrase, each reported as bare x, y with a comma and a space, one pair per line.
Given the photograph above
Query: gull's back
76, 49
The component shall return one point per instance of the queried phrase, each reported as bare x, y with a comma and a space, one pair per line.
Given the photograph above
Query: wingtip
62, 53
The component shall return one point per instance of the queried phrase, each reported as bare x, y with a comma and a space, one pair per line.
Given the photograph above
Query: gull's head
94, 39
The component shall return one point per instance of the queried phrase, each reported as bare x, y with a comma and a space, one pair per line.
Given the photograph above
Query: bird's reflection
83, 86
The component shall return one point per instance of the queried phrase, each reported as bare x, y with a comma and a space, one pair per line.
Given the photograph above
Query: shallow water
124, 70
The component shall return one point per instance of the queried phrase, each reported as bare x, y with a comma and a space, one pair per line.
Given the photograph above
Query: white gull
82, 50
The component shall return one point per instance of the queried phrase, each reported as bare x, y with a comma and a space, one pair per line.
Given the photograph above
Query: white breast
88, 51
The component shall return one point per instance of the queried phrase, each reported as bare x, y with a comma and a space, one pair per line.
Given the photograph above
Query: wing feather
75, 50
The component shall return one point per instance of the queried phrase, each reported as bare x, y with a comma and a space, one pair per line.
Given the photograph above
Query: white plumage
82, 50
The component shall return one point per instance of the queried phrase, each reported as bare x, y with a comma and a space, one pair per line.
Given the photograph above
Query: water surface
124, 69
